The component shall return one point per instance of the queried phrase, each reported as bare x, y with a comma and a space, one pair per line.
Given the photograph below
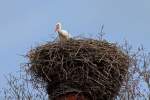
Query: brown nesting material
91, 67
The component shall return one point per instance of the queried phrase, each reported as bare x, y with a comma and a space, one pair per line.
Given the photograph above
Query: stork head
58, 27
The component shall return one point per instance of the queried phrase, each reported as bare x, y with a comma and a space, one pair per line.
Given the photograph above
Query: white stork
63, 34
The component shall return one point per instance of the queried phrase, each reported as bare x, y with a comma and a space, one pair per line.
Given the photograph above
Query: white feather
63, 34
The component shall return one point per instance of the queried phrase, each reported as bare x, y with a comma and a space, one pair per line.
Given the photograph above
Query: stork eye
57, 25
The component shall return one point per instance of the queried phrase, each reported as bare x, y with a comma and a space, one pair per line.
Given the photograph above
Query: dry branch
93, 67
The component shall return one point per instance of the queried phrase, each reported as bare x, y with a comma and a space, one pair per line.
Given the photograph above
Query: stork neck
59, 28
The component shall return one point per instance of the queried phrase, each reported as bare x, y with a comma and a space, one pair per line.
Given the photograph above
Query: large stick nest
88, 66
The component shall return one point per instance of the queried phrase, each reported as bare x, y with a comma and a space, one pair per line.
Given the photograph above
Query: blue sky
26, 23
